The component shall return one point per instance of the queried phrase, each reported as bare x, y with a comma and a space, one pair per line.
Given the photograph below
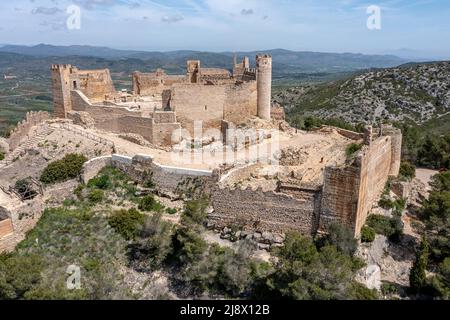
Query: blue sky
232, 25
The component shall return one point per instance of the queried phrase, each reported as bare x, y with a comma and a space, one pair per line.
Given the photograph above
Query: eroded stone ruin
313, 183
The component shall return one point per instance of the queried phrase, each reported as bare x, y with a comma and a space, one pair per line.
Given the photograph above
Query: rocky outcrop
416, 92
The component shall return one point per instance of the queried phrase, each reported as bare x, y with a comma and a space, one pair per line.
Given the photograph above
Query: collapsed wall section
21, 220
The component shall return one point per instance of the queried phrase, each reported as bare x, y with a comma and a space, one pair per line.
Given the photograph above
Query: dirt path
425, 175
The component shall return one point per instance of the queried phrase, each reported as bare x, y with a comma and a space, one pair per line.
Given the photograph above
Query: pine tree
417, 276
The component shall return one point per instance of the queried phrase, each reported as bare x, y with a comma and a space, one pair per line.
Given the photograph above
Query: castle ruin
161, 103
313, 184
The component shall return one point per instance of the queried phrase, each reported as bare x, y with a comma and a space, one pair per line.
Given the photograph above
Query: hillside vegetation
413, 93
415, 98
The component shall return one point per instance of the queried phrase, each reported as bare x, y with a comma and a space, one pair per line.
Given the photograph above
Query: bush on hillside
65, 169
148, 203
407, 170
127, 223
367, 234
352, 149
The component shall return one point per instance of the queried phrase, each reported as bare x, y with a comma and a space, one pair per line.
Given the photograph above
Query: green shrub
389, 227
96, 196
153, 244
340, 236
304, 272
67, 237
2, 155
148, 203
79, 192
352, 149
100, 182
127, 223
171, 210
386, 203
65, 169
367, 234
195, 212
388, 288
188, 245
18, 275
407, 170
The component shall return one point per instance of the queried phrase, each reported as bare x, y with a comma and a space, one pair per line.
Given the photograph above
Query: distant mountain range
285, 61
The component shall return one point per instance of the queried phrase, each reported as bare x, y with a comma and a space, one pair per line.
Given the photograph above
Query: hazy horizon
405, 29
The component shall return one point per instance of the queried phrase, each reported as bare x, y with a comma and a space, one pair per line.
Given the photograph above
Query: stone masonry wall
339, 196
241, 102
95, 84
122, 120
106, 118
214, 103
196, 102
23, 219
350, 191
22, 130
375, 166
138, 125
92, 167
256, 210
166, 179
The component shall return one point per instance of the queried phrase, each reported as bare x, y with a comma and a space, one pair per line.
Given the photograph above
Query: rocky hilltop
414, 92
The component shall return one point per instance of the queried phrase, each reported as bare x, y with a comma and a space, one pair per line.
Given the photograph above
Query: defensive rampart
22, 130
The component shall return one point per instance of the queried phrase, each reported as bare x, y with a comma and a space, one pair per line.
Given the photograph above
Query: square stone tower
61, 89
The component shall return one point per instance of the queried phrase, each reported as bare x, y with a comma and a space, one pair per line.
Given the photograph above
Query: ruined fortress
313, 183
160, 103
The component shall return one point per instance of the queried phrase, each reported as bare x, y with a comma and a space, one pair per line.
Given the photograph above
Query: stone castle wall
256, 210
212, 104
97, 85
349, 192
23, 219
241, 102
197, 102
339, 196
375, 169
156, 130
156, 83
22, 130
346, 196
142, 168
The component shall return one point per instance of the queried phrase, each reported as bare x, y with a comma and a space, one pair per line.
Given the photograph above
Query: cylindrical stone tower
264, 83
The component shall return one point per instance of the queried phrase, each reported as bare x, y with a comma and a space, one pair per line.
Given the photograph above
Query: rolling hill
285, 61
